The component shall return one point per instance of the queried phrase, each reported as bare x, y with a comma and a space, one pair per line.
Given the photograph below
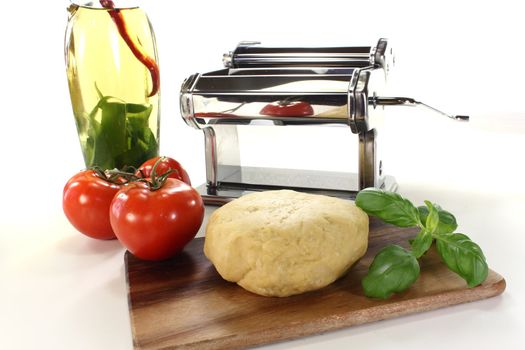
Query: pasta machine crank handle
407, 101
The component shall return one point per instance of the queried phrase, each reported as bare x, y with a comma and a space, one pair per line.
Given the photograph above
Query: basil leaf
432, 221
421, 243
393, 270
113, 127
447, 221
123, 136
110, 140
388, 206
142, 144
463, 256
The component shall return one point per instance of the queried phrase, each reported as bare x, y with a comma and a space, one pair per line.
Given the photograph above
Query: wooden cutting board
184, 304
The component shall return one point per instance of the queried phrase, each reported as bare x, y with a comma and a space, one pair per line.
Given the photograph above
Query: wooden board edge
338, 322
136, 344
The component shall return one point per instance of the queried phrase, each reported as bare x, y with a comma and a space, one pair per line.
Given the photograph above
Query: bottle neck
117, 4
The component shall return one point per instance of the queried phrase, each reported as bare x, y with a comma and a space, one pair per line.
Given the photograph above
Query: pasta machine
294, 88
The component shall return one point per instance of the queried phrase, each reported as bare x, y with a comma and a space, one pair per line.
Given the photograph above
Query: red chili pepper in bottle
137, 50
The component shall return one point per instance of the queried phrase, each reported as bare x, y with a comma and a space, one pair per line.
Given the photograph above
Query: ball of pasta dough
281, 243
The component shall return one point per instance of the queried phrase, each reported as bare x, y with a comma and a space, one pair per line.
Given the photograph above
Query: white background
61, 290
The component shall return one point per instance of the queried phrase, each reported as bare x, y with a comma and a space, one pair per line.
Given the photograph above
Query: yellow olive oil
117, 123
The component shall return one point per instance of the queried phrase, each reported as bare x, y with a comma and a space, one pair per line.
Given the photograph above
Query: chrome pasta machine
292, 89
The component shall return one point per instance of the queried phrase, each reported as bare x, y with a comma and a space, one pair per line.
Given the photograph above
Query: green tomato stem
158, 181
115, 176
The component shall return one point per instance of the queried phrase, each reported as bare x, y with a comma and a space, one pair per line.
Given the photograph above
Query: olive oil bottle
113, 82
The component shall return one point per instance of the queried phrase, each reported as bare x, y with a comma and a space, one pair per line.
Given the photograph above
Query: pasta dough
281, 243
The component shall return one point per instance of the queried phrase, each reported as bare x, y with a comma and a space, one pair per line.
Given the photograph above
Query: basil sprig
394, 268
117, 133
122, 137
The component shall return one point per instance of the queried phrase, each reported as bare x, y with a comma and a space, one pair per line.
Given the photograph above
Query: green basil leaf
113, 127
140, 110
393, 270
109, 139
463, 256
447, 221
142, 143
388, 206
421, 243
122, 137
99, 93
432, 221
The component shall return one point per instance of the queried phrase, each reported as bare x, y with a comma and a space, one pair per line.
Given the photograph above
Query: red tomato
288, 109
156, 225
164, 166
86, 200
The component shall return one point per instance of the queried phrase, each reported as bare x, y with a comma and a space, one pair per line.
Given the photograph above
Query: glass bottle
113, 76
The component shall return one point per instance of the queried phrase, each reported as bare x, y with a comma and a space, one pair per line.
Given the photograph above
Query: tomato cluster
154, 214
